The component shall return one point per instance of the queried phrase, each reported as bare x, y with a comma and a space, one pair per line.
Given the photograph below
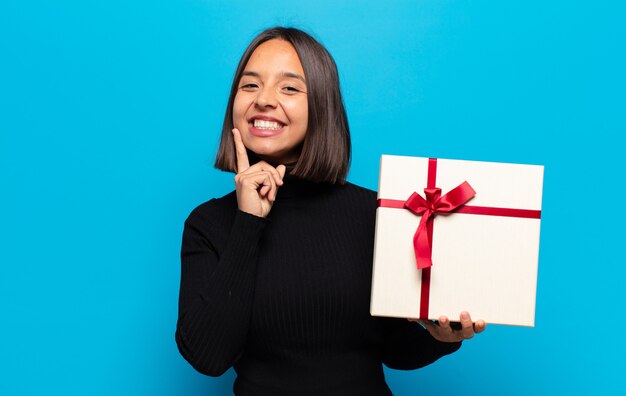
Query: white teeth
263, 124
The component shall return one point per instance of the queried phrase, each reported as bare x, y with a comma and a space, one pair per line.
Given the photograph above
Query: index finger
240, 149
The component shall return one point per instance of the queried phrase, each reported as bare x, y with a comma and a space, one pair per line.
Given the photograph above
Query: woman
276, 275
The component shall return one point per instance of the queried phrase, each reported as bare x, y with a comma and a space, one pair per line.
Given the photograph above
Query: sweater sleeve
409, 346
216, 292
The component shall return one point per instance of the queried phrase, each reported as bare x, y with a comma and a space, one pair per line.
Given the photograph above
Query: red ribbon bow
428, 208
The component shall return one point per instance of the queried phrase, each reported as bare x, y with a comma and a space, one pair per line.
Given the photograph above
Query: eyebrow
283, 74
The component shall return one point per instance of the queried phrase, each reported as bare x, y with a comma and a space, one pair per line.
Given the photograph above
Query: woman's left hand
442, 331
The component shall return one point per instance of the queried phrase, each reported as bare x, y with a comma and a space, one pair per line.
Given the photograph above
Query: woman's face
270, 108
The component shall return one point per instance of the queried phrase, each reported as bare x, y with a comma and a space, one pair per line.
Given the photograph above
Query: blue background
109, 117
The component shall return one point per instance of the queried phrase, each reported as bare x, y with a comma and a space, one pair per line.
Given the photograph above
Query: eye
290, 89
248, 86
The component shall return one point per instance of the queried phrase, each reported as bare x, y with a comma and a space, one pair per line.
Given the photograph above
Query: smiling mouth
264, 124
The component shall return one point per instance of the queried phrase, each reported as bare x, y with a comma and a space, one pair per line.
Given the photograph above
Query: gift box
455, 236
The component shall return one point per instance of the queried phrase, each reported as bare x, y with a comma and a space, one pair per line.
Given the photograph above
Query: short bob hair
325, 151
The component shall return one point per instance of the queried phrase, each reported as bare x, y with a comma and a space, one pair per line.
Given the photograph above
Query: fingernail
464, 315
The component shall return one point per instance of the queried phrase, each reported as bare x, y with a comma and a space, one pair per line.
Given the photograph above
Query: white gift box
485, 264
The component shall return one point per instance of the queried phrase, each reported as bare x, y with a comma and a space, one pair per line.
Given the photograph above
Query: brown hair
325, 154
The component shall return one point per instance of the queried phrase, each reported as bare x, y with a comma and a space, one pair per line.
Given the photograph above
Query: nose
266, 97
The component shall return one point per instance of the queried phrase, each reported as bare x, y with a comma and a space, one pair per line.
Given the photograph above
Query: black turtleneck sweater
285, 299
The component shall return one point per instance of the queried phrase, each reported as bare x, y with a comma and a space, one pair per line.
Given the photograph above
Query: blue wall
109, 118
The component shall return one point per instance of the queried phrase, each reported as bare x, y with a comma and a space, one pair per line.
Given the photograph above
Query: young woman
276, 275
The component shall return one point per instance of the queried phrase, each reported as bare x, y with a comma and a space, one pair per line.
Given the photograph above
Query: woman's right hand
256, 185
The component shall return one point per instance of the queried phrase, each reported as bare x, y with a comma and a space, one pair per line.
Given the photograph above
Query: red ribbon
434, 203
428, 208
